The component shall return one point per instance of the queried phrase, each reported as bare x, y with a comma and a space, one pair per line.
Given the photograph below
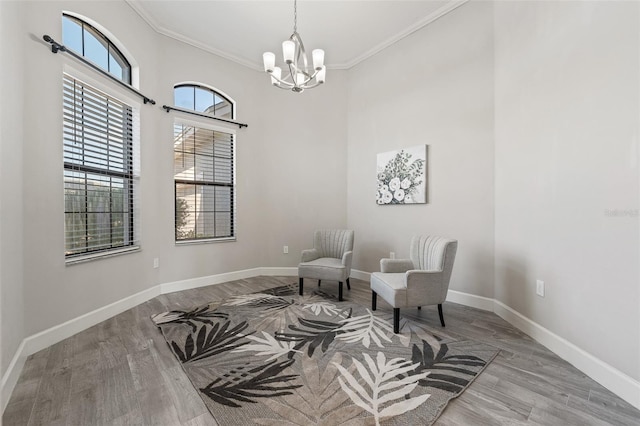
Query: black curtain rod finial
55, 47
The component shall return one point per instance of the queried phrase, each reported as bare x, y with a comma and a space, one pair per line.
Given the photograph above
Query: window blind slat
99, 178
204, 176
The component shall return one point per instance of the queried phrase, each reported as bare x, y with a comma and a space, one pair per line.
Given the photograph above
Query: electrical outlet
392, 255
540, 288
285, 249
156, 262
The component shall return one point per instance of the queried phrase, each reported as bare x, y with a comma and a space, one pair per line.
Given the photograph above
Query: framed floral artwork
402, 176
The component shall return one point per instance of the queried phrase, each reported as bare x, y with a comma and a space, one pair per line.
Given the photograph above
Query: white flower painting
402, 176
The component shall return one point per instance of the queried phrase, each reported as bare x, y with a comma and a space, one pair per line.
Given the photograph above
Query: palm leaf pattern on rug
218, 339
384, 386
440, 363
280, 314
322, 307
315, 333
365, 328
320, 402
193, 318
246, 384
255, 300
284, 290
269, 346
422, 332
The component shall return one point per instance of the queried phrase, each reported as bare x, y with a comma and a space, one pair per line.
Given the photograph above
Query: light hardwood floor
121, 372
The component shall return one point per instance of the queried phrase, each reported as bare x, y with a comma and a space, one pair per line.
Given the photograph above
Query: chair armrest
424, 277
309, 255
395, 265
346, 260
426, 285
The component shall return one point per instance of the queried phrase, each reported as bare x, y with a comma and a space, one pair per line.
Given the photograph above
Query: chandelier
300, 76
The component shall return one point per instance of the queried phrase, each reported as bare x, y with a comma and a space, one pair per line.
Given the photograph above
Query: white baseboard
208, 280
361, 275
284, 271
613, 379
478, 302
226, 277
616, 381
11, 376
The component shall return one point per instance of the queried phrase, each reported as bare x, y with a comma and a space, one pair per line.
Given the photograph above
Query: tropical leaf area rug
277, 358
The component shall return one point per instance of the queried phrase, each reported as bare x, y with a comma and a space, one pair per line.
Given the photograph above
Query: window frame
111, 48
195, 122
133, 146
215, 93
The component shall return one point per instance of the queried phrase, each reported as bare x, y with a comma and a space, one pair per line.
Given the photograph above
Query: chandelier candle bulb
269, 59
321, 75
288, 51
276, 75
318, 59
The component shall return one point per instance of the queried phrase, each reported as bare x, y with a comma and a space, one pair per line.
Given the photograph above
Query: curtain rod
57, 47
186, 111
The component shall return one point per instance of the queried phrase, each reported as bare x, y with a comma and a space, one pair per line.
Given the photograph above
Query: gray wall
566, 156
11, 210
434, 87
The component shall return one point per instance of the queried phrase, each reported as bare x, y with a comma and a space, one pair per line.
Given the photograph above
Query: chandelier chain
295, 16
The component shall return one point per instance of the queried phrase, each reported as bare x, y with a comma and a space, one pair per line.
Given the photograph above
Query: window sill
206, 241
96, 256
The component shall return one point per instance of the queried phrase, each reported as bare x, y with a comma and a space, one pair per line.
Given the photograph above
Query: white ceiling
239, 30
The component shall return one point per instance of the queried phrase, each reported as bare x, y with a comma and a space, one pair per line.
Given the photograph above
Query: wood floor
121, 372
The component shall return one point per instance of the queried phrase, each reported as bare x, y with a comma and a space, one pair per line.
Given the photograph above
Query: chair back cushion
428, 252
433, 254
333, 242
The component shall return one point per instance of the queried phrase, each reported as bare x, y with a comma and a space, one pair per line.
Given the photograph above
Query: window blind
204, 183
100, 171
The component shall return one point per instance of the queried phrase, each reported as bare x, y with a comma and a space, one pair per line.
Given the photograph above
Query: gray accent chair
420, 281
329, 259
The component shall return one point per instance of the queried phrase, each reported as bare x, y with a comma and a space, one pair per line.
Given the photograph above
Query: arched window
100, 142
87, 41
203, 99
204, 167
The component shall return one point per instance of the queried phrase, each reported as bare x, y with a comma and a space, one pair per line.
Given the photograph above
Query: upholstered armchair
420, 281
329, 259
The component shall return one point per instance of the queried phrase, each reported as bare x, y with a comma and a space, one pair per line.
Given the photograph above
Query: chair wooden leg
348, 285
440, 313
340, 291
396, 320
319, 281
374, 300
300, 285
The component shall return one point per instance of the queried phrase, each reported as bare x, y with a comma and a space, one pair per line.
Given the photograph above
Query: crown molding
434, 16
157, 27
